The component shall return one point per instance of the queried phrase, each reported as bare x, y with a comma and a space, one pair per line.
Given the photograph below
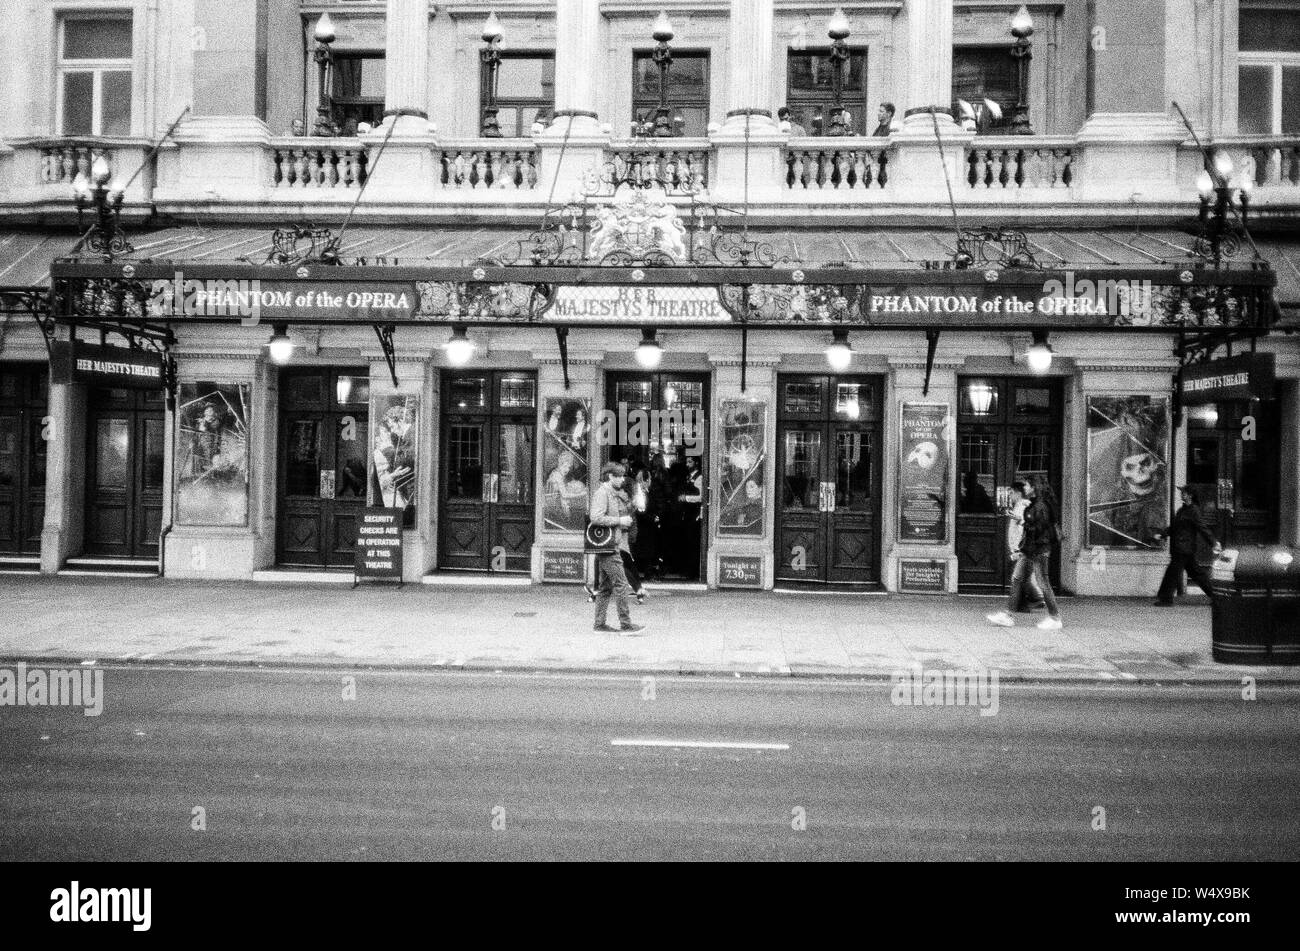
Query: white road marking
702, 744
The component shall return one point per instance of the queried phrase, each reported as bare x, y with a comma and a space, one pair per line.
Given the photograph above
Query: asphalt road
424, 765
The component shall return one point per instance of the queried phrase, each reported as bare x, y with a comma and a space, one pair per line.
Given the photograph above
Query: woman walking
1040, 533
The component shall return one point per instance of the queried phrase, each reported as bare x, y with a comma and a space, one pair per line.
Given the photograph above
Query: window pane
688, 77
802, 465
153, 454
975, 454
465, 462
1033, 401
117, 103
853, 471
518, 393
1270, 30
352, 390
112, 440
97, 39
350, 480
1255, 100
39, 449
526, 77
468, 393
985, 73
811, 73
78, 101
803, 398
979, 398
1291, 99
8, 451
359, 77
302, 473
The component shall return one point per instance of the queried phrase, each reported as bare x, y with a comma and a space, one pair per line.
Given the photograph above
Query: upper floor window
94, 82
980, 73
525, 91
688, 91
810, 91
1268, 81
358, 90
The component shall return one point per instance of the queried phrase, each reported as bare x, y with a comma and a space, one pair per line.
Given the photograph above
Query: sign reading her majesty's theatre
1243, 377
78, 362
636, 304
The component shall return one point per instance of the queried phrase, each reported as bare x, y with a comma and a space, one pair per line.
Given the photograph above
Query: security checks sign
379, 545
923, 473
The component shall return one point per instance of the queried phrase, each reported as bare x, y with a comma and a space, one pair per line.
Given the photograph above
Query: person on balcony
788, 124
885, 119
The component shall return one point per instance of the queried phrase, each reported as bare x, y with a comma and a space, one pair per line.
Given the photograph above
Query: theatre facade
828, 358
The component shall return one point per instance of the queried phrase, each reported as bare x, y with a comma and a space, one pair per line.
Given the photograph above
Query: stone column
1130, 139
574, 144
577, 50
406, 67
65, 482
750, 124
929, 62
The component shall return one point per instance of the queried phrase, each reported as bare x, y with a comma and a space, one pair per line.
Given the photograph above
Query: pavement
548, 628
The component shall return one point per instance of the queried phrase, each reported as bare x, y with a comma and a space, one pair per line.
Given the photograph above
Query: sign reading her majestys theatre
73, 361
1248, 376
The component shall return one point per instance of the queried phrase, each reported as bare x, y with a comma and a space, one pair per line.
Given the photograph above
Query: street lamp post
838, 31
491, 57
105, 236
1022, 51
663, 59
324, 56
1218, 198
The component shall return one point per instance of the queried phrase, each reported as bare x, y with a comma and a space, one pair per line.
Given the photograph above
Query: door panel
828, 512
487, 471
1007, 429
324, 445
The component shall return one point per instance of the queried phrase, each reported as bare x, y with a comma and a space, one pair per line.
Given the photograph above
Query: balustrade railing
1013, 163
318, 164
502, 164
1270, 162
61, 162
820, 165
680, 166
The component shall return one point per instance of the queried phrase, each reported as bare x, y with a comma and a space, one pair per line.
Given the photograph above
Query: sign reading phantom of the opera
1246, 376
923, 473
917, 576
637, 305
740, 571
379, 545
74, 361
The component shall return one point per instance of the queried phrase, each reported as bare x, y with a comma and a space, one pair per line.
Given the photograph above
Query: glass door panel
515, 463
802, 470
853, 471
302, 473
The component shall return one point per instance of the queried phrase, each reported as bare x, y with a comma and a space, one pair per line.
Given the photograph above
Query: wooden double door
1233, 463
487, 471
828, 470
324, 468
1008, 428
126, 448
24, 394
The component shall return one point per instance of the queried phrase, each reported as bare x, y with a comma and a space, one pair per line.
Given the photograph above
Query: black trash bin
1256, 612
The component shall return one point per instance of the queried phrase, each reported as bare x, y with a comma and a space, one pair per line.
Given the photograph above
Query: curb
865, 676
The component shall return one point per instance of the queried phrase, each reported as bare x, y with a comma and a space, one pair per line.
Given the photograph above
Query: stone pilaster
929, 61
65, 484
748, 145
406, 68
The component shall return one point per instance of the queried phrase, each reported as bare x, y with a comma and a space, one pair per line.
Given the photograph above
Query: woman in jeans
1035, 556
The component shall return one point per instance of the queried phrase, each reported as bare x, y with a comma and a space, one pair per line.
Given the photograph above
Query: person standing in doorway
612, 582
1187, 527
1035, 555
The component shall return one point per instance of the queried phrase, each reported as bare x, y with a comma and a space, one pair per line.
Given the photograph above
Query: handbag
600, 539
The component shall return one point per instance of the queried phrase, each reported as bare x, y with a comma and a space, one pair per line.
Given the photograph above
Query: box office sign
564, 566
916, 576
923, 473
74, 361
740, 571
1247, 376
379, 545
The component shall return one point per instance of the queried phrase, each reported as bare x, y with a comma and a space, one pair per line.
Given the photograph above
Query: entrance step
479, 579
856, 592
305, 575
20, 564
111, 567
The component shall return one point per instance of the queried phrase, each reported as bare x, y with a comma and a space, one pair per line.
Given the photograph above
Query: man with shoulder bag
606, 512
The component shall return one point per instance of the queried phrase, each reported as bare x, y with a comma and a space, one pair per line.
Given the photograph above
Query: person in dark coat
1186, 528
1040, 533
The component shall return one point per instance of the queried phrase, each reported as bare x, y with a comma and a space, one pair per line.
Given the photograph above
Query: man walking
1187, 527
611, 579
1035, 554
